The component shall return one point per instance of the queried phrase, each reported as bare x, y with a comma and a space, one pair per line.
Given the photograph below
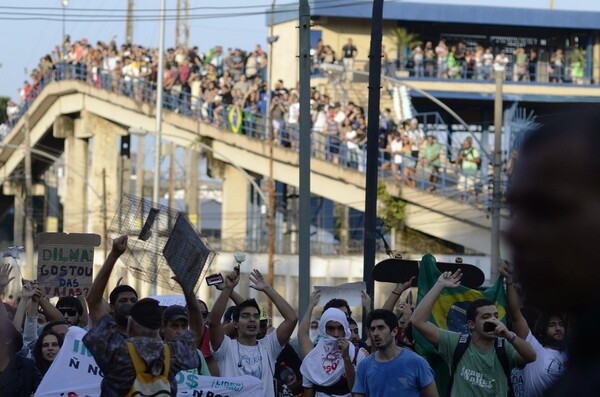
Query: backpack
146, 384
461, 348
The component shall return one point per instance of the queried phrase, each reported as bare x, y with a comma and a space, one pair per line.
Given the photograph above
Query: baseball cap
174, 313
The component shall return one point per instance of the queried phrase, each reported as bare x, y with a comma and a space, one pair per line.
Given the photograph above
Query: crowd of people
138, 344
239, 340
228, 89
459, 62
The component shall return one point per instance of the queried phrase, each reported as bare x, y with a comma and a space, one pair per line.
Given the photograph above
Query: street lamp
65, 4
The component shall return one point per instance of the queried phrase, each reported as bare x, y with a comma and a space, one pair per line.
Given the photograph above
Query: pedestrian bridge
84, 122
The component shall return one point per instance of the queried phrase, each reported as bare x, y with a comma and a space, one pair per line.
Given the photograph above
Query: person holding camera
485, 357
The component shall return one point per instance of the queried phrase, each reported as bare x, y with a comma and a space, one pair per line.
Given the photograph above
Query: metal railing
540, 73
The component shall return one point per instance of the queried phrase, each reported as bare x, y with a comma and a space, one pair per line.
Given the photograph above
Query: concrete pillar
234, 226
19, 220
75, 208
192, 183
52, 210
104, 173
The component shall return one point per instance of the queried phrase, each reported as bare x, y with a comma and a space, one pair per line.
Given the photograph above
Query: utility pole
182, 22
497, 190
172, 175
158, 137
129, 26
370, 233
177, 23
186, 29
304, 159
28, 203
270, 137
104, 215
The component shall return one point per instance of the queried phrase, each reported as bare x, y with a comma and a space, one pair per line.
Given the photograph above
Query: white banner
75, 373
349, 291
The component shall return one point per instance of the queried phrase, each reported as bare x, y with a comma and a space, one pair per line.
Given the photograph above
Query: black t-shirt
287, 371
20, 379
349, 50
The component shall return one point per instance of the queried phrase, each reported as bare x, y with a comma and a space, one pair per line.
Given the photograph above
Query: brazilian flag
450, 313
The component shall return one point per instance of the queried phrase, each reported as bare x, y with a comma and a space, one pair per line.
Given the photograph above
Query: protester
46, 349
479, 372
175, 321
121, 299
247, 355
19, 376
327, 368
71, 308
392, 370
547, 340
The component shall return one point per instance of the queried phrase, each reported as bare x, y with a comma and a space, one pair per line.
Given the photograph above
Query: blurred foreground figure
555, 231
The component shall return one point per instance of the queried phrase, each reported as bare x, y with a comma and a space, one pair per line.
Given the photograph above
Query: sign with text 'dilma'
66, 263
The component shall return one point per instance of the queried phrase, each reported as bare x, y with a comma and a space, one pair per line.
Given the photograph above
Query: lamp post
64, 3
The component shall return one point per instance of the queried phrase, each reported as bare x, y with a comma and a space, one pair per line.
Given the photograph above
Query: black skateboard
393, 270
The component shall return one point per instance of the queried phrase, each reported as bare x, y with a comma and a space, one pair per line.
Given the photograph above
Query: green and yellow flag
450, 313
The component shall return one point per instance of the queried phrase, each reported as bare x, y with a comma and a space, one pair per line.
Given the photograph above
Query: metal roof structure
446, 13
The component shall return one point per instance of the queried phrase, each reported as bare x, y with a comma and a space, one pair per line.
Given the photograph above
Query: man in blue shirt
392, 370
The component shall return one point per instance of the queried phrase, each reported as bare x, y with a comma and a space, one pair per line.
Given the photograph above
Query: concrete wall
285, 54
335, 33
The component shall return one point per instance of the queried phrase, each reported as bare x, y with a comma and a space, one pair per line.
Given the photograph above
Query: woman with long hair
46, 350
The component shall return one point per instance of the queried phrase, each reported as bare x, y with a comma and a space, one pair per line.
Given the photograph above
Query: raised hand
28, 290
230, 280
258, 280
365, 299
5, 277
314, 298
119, 245
449, 279
506, 270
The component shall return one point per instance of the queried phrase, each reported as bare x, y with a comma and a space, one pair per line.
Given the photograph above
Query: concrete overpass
86, 122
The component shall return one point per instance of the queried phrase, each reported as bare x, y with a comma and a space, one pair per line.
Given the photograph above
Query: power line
95, 17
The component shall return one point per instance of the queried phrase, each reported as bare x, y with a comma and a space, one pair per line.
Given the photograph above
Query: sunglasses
68, 312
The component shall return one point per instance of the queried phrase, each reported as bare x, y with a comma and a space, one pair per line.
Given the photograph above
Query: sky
32, 28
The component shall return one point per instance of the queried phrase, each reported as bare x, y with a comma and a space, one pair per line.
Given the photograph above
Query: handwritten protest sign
75, 373
66, 263
350, 292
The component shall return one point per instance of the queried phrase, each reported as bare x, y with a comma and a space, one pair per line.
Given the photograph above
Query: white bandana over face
324, 365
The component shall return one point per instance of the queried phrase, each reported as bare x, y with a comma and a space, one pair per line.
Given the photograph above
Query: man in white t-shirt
247, 355
546, 339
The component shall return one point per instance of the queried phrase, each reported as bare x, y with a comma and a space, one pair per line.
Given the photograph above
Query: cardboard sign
349, 291
66, 263
74, 372
186, 253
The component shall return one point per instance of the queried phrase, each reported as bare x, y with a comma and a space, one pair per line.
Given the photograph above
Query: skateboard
393, 270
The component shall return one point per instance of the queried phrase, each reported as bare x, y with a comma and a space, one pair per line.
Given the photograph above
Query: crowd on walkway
456, 61
228, 89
